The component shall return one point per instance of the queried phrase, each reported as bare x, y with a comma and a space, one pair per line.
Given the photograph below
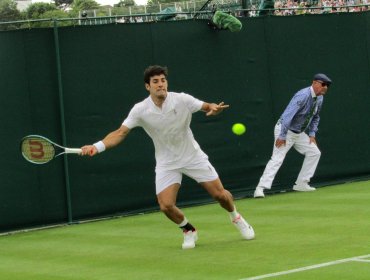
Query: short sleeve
133, 118
191, 102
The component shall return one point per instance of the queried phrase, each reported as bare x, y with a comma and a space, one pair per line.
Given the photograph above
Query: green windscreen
256, 71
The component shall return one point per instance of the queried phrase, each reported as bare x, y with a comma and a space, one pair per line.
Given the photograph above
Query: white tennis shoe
303, 188
190, 237
258, 193
245, 229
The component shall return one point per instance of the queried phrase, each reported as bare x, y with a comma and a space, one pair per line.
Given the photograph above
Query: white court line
359, 258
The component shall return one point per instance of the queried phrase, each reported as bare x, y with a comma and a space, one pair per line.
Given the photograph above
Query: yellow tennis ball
238, 128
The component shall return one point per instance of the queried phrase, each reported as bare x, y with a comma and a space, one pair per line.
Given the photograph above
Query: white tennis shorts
201, 172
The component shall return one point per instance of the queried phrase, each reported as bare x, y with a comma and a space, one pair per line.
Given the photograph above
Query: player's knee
166, 207
221, 196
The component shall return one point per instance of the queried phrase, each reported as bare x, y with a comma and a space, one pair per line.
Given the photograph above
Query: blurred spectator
253, 12
301, 7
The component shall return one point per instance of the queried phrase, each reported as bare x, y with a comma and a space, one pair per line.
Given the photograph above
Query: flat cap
322, 77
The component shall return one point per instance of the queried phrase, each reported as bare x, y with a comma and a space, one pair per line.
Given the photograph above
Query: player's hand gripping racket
39, 150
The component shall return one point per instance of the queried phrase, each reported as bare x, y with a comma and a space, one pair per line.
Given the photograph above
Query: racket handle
73, 151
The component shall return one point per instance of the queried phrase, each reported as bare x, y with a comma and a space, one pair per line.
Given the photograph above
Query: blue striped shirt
297, 111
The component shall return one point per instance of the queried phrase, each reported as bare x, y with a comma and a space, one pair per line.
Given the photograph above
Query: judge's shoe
190, 237
245, 229
303, 188
258, 193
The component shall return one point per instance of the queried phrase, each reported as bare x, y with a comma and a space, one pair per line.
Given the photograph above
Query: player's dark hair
154, 70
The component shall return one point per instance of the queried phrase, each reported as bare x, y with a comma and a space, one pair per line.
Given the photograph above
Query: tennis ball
238, 128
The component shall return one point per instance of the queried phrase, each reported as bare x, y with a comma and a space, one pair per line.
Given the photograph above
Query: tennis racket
39, 150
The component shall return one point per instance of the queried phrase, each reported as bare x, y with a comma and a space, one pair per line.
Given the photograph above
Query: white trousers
300, 142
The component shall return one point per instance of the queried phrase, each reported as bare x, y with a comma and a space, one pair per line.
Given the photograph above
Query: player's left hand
215, 109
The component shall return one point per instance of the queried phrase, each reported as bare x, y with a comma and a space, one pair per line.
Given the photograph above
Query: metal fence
165, 12
186, 7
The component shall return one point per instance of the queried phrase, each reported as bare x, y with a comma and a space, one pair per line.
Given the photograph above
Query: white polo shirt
169, 128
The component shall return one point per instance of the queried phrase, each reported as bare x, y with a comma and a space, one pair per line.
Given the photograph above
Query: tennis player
165, 117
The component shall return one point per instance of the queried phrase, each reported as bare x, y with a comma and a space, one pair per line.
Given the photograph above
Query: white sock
184, 222
234, 213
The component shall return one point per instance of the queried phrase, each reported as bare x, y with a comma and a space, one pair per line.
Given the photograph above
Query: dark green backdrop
256, 71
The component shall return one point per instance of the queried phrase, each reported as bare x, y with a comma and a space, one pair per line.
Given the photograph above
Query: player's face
157, 86
320, 87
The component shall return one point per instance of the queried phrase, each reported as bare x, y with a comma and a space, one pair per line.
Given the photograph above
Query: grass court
318, 235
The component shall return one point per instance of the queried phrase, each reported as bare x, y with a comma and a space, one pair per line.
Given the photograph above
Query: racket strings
37, 150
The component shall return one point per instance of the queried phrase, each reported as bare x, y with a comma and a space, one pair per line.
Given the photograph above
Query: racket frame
55, 146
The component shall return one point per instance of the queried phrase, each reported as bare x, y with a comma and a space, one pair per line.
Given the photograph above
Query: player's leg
167, 203
225, 199
274, 164
312, 156
167, 188
220, 194
205, 174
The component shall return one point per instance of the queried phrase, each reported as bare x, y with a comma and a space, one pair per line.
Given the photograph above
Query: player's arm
213, 108
111, 140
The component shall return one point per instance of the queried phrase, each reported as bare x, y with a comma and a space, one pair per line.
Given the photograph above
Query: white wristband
100, 146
